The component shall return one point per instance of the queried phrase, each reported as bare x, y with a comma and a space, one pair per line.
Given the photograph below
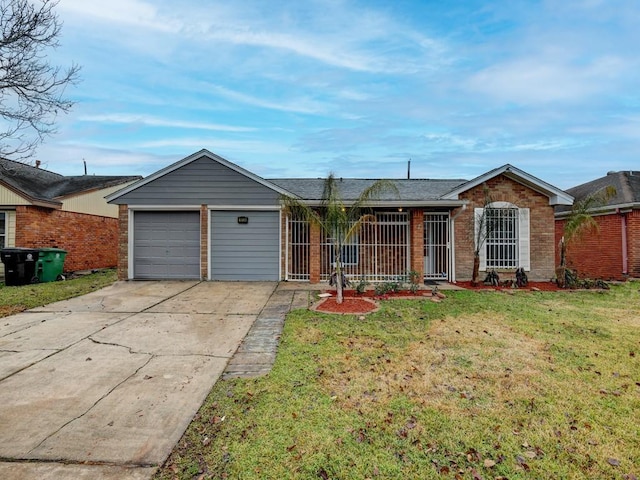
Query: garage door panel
166, 245
249, 251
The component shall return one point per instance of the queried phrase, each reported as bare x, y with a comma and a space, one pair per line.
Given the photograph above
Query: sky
304, 88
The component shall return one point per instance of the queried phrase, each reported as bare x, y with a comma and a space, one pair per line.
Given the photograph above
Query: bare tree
31, 89
483, 228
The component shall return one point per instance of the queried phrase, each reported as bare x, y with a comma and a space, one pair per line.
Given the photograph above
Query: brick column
204, 246
417, 242
633, 243
123, 242
314, 253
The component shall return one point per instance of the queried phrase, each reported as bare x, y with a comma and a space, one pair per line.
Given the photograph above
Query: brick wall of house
314, 253
91, 241
598, 254
542, 230
123, 242
633, 242
417, 242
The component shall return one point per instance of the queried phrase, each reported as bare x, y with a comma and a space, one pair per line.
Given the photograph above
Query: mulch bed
349, 306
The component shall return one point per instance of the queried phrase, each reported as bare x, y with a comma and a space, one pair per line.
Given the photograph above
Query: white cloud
128, 118
218, 145
129, 12
545, 80
296, 105
349, 37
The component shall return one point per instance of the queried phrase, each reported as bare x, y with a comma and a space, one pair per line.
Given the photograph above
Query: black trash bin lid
19, 255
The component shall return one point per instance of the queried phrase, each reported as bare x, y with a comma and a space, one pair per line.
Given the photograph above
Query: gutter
609, 209
396, 203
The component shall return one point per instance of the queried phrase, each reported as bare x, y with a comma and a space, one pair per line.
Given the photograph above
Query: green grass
18, 298
483, 385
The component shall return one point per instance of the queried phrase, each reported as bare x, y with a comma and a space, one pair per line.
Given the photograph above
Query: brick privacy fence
598, 254
91, 241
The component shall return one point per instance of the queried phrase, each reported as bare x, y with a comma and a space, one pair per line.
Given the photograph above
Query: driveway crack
52, 434
110, 344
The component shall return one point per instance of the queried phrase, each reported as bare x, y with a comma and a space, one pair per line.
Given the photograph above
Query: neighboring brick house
612, 251
39, 208
207, 218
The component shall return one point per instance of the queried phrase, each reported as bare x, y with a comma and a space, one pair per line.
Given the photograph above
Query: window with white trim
502, 238
506, 240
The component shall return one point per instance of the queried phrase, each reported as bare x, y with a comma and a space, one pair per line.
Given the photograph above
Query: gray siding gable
201, 181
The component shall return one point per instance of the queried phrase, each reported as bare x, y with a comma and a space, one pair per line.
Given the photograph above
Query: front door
436, 246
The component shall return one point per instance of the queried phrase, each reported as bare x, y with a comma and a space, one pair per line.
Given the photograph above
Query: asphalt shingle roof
41, 184
310, 189
626, 183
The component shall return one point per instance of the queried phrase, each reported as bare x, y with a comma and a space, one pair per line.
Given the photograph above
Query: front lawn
483, 385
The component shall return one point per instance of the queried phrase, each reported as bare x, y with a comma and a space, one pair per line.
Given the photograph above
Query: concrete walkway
103, 386
257, 352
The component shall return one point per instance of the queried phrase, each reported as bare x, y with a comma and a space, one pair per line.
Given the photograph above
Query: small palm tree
579, 222
339, 221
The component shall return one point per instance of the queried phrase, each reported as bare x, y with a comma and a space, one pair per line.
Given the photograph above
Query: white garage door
166, 245
245, 245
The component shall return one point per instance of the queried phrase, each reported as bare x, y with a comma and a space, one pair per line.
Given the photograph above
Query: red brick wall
123, 242
314, 253
633, 243
417, 242
91, 241
598, 253
542, 230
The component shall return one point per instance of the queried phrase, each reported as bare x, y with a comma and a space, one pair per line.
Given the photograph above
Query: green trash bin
50, 264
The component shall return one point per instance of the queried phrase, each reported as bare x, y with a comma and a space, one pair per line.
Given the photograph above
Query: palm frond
339, 221
581, 221
374, 192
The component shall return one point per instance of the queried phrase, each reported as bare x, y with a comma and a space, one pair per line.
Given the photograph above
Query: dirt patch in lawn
6, 310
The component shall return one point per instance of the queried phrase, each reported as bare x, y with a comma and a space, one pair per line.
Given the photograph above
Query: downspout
625, 256
452, 244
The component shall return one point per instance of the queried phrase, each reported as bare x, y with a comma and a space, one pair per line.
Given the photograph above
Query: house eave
555, 195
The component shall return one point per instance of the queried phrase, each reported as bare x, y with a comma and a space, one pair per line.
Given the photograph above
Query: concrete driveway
103, 386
